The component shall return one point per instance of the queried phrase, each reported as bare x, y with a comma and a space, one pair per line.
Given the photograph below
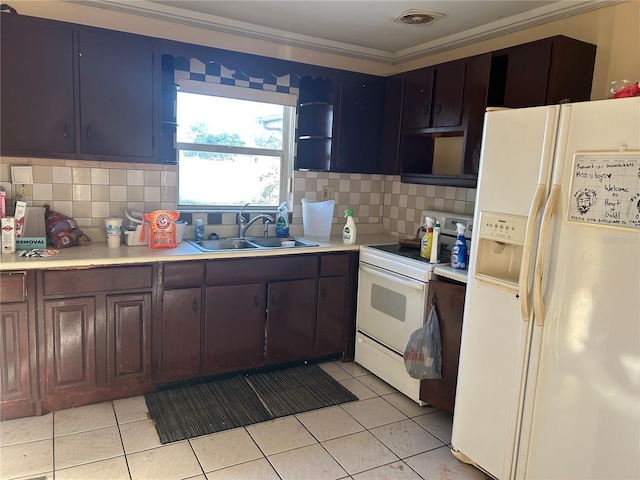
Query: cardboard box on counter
33, 233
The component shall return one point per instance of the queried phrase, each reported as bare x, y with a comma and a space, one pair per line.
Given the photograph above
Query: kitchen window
235, 146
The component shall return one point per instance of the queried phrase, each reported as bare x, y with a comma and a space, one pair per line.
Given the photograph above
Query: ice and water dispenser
500, 248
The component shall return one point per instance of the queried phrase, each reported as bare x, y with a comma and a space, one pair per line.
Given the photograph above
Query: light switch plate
21, 174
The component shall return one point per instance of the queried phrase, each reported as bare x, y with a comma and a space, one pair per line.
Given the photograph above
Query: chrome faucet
243, 224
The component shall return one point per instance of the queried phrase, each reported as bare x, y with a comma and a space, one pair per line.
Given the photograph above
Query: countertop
451, 273
99, 254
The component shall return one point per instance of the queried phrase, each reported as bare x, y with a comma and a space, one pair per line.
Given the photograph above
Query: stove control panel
448, 222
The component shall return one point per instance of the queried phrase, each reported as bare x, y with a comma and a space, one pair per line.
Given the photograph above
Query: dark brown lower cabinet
94, 334
181, 322
448, 298
234, 328
291, 320
18, 366
70, 345
128, 338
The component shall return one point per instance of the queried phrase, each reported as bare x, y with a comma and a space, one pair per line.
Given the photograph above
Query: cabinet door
448, 94
416, 104
37, 86
70, 345
15, 371
361, 102
115, 94
331, 316
128, 338
449, 301
291, 318
526, 75
234, 333
181, 309
392, 117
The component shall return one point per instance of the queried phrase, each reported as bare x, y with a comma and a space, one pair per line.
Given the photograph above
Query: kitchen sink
222, 244
248, 243
275, 242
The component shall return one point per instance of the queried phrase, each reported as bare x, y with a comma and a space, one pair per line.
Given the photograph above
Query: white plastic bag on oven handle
423, 355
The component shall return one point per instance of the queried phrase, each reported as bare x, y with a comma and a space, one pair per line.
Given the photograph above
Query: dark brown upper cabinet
70, 91
433, 96
360, 123
315, 124
441, 131
116, 94
545, 72
37, 96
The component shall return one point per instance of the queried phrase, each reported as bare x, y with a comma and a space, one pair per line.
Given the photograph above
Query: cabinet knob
323, 293
89, 131
273, 300
65, 131
256, 301
437, 109
194, 306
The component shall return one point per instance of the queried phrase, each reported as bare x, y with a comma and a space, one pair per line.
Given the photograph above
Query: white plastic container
317, 218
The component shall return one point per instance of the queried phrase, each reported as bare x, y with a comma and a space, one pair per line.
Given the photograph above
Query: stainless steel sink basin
249, 242
274, 242
222, 244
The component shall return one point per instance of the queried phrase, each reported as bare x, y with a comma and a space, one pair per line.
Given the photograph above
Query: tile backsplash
89, 191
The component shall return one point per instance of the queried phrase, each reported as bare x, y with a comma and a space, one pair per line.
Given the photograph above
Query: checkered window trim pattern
194, 69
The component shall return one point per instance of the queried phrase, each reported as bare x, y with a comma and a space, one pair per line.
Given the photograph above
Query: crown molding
532, 18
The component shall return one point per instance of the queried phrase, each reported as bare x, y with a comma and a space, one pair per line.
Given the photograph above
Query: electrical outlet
328, 192
22, 190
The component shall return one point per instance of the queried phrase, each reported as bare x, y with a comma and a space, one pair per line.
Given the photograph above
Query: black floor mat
298, 389
204, 408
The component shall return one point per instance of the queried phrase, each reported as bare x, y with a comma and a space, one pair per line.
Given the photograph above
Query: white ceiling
358, 28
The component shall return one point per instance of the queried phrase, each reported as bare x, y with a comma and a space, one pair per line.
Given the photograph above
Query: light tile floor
382, 436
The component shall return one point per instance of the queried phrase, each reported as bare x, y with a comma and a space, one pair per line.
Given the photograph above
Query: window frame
286, 154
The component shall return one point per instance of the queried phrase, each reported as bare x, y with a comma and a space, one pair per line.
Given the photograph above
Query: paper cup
113, 241
113, 228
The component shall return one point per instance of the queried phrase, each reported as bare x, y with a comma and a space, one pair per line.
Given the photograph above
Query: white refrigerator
549, 375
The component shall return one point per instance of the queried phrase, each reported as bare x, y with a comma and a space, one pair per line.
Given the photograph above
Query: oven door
390, 306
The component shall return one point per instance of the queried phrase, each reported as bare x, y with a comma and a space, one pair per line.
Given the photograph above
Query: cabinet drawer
261, 269
13, 287
59, 282
182, 274
333, 265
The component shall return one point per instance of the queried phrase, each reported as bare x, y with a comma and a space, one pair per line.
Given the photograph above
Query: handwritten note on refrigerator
605, 189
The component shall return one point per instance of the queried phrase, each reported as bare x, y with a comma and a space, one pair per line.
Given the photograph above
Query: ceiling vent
417, 17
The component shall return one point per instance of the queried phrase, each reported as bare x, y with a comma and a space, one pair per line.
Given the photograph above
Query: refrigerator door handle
549, 210
536, 206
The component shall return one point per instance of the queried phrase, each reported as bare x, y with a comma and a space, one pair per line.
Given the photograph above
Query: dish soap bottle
425, 243
199, 230
435, 244
349, 230
459, 249
282, 225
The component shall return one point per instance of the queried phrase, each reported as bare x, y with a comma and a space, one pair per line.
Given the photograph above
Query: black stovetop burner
413, 253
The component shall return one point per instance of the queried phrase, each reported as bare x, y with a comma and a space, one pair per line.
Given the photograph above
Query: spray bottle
282, 224
349, 230
198, 232
459, 249
425, 243
435, 244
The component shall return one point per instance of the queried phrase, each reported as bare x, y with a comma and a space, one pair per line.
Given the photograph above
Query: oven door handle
394, 278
